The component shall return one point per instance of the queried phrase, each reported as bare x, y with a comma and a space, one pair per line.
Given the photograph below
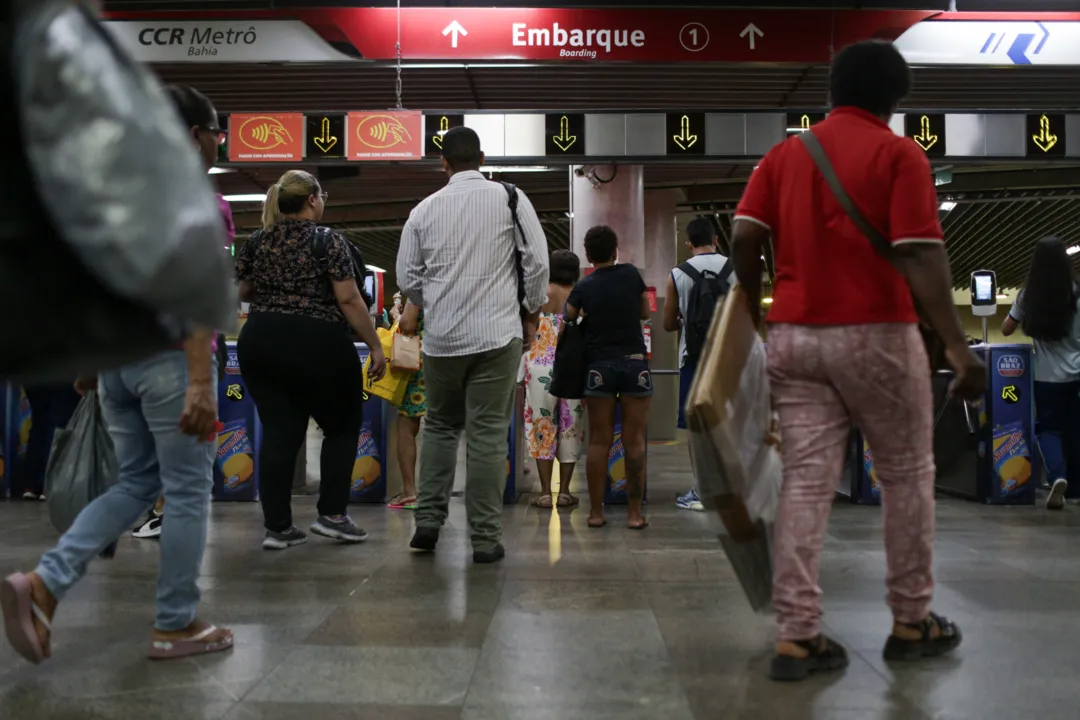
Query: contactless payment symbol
235, 392
1010, 394
1010, 366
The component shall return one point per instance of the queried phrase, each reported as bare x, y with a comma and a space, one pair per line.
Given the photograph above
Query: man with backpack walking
694, 291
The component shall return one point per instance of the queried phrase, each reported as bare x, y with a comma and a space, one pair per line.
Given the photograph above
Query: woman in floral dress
554, 428
413, 409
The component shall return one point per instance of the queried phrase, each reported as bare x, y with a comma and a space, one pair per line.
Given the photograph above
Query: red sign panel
385, 135
560, 34
266, 137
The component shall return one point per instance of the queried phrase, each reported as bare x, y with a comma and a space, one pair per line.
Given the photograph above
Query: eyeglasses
324, 196
222, 135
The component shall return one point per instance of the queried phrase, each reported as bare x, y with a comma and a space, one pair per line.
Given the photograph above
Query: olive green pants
474, 394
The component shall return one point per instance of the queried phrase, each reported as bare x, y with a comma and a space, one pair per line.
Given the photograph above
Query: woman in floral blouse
554, 428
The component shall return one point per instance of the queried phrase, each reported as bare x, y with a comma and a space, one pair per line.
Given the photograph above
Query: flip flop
196, 645
597, 525
20, 610
571, 501
537, 502
642, 526
400, 502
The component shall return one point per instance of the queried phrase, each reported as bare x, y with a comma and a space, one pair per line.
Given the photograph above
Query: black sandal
900, 650
833, 656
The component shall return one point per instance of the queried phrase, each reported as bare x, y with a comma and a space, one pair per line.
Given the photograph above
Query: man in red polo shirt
844, 346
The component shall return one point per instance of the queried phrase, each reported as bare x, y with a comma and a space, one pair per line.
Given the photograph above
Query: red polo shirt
827, 272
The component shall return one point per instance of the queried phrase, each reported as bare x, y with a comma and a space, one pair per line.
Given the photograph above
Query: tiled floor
576, 624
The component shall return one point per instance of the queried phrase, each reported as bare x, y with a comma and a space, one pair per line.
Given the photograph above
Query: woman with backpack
298, 358
1046, 310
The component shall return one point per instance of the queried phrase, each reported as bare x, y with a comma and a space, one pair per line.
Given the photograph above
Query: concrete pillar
612, 195
661, 238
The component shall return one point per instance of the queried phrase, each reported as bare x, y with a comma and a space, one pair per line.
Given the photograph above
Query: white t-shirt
714, 262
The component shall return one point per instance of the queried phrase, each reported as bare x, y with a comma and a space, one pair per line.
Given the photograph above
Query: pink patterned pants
823, 379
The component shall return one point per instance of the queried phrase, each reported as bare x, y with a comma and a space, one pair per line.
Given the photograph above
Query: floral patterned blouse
288, 278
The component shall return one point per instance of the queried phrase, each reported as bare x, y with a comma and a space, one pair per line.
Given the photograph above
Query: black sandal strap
926, 627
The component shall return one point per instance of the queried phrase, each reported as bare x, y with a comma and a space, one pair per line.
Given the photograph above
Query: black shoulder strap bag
935, 347
512, 203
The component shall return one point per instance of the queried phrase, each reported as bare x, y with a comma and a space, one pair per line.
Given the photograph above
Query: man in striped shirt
458, 262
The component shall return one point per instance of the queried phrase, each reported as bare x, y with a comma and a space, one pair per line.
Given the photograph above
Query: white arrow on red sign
453, 30
752, 30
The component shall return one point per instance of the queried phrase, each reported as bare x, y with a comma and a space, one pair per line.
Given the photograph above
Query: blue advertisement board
864, 483
369, 469
1008, 472
236, 468
615, 488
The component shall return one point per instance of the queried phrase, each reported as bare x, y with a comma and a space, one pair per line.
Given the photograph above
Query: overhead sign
564, 134
386, 135
685, 133
266, 137
169, 41
435, 126
1037, 39
1046, 135
800, 122
325, 137
928, 130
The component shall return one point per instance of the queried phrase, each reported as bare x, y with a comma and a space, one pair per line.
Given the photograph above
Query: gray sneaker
341, 529
281, 540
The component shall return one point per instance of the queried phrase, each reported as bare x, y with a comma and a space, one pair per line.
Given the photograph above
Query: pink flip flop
196, 645
19, 611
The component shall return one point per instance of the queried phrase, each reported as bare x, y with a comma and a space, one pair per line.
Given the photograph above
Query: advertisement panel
266, 137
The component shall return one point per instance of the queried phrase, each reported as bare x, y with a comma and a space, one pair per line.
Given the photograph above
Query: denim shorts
628, 376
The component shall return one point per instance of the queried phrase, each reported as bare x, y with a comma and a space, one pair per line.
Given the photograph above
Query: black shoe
425, 539
491, 556
824, 655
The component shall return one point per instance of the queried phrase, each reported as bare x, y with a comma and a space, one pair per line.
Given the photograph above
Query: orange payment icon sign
255, 137
387, 135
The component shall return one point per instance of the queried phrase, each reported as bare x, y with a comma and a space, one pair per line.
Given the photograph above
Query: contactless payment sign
386, 135
266, 137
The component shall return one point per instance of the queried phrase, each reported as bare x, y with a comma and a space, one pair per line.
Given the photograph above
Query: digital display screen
984, 288
369, 285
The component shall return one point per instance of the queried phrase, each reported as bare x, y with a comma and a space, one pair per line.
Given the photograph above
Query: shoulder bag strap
512, 203
821, 159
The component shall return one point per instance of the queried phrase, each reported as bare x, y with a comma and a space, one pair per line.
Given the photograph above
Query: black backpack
708, 290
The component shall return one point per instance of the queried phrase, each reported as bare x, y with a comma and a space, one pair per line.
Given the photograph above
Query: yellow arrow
564, 139
235, 392
684, 139
444, 125
1045, 139
1008, 393
325, 140
804, 122
925, 138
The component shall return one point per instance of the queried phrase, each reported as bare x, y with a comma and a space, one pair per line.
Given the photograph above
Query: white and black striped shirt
457, 262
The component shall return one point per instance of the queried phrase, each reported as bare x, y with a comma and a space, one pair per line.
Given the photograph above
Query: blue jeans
1057, 425
142, 404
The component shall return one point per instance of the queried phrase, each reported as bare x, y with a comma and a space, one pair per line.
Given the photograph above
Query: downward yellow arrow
685, 139
926, 138
325, 140
1045, 139
564, 139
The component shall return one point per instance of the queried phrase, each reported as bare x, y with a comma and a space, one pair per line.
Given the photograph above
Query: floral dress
554, 428
415, 403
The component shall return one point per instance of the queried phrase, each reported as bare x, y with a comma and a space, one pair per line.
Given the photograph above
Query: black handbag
571, 367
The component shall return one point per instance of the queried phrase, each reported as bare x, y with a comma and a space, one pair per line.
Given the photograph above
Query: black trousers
51, 408
296, 368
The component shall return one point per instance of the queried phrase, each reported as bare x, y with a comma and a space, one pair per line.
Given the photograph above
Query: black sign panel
564, 134
686, 133
1046, 135
801, 122
435, 126
928, 130
325, 137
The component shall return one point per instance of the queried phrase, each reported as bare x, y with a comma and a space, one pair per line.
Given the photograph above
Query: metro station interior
576, 623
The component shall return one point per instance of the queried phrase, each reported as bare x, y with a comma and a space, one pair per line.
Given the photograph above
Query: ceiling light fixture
374, 268
1072, 250
220, 170
514, 168
766, 301
947, 205
246, 198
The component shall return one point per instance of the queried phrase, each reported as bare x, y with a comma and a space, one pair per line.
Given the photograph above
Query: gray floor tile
375, 675
327, 711
373, 627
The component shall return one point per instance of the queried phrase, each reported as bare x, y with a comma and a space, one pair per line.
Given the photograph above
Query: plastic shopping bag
82, 464
391, 386
733, 445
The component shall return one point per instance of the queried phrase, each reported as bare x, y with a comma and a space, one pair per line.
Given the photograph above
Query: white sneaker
1056, 499
150, 529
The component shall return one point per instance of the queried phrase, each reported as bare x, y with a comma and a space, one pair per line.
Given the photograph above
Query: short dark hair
601, 243
871, 75
461, 148
195, 109
701, 232
565, 268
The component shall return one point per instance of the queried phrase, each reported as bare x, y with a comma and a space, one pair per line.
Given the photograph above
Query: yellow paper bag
391, 387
